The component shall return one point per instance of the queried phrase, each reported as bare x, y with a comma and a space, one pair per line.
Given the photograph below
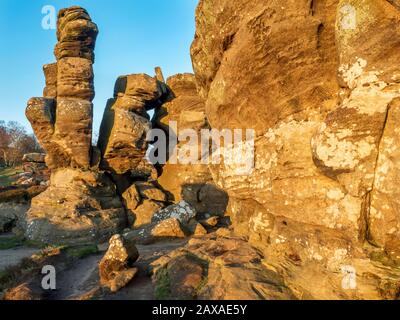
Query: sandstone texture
318, 81
182, 211
214, 268
35, 170
78, 207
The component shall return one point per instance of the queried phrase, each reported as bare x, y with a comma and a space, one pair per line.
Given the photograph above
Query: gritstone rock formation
123, 144
319, 81
125, 125
319, 215
81, 203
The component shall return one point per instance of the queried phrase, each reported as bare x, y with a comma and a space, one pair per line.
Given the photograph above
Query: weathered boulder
149, 191
144, 213
35, 170
76, 34
142, 200
196, 228
168, 229
182, 211
131, 198
215, 268
23, 292
115, 268
181, 278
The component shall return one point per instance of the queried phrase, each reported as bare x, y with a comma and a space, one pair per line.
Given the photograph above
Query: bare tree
15, 142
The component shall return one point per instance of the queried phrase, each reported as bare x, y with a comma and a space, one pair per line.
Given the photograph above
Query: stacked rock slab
142, 200
35, 168
62, 120
81, 203
125, 125
123, 144
190, 182
319, 83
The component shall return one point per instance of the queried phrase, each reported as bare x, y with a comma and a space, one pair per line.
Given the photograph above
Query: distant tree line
14, 143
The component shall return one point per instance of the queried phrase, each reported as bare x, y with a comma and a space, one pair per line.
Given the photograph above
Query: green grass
82, 251
10, 242
162, 290
13, 241
8, 176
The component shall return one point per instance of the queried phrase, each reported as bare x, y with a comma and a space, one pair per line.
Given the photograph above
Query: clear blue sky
135, 36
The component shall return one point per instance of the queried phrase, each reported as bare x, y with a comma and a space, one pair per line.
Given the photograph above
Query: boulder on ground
167, 229
182, 211
115, 268
143, 214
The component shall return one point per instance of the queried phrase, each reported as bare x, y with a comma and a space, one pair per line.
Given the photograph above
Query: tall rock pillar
81, 203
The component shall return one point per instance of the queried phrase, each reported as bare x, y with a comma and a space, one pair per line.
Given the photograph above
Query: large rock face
81, 204
320, 86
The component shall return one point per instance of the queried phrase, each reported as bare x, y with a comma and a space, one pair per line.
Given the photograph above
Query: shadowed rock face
81, 204
319, 81
190, 182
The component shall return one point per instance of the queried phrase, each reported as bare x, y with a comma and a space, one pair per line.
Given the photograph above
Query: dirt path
82, 276
14, 256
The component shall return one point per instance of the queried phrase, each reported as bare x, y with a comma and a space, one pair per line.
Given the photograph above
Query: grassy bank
9, 175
